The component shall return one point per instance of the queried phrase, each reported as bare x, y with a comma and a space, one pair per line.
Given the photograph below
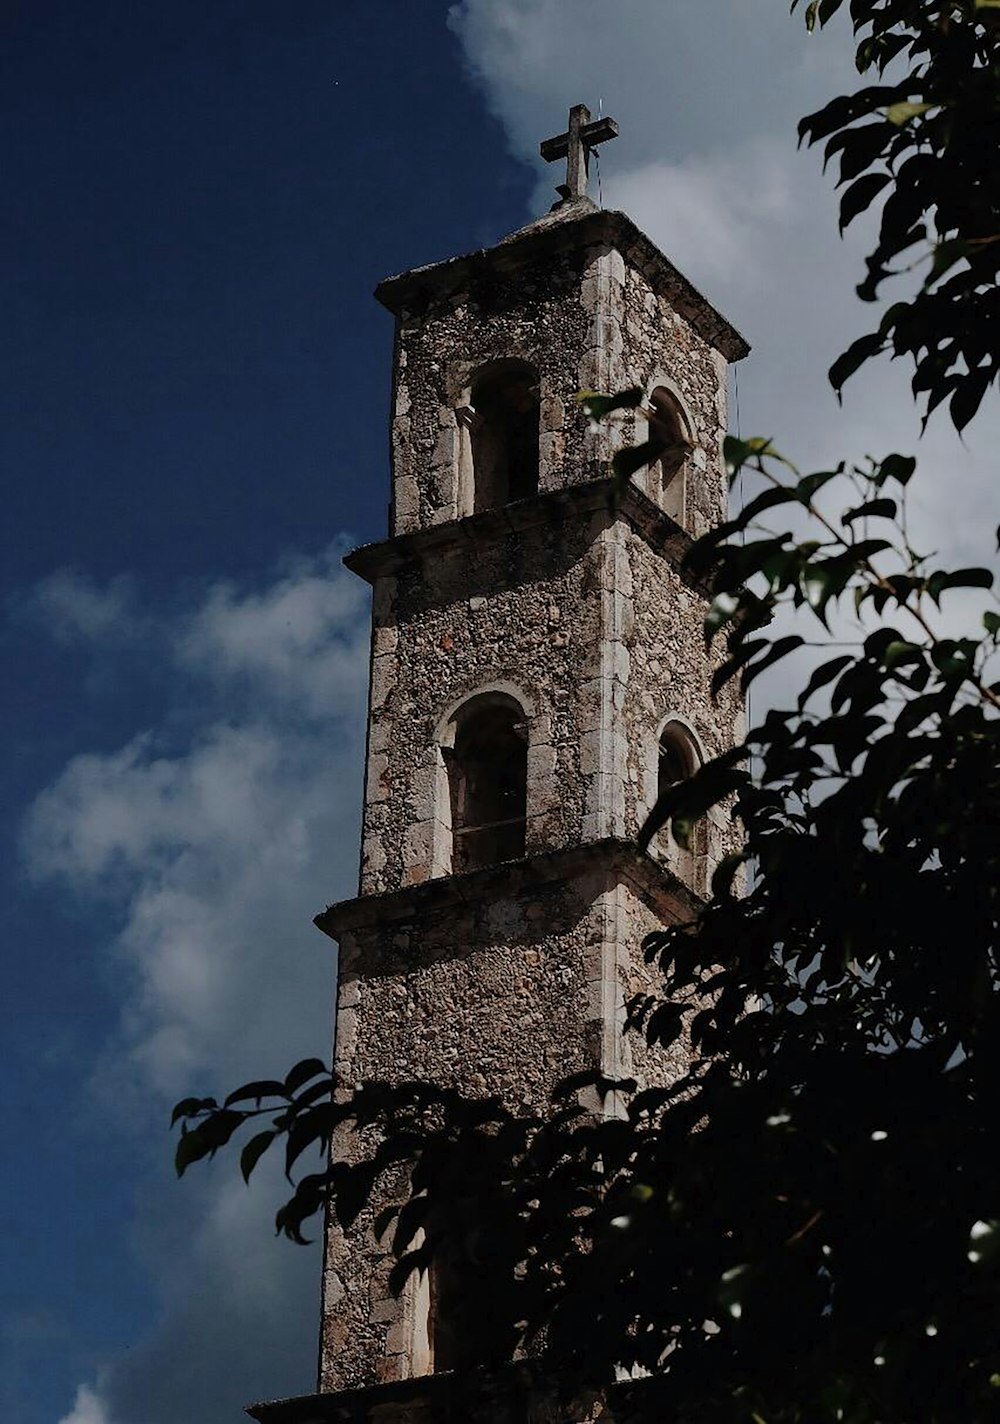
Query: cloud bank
708, 99
211, 838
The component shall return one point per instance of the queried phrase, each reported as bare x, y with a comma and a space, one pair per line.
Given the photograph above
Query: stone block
386, 639
552, 413
407, 502
383, 680
445, 448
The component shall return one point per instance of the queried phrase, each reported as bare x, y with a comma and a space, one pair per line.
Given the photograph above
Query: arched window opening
669, 430
505, 433
487, 777
678, 758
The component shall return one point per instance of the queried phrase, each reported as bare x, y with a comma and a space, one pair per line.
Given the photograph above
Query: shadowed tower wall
498, 957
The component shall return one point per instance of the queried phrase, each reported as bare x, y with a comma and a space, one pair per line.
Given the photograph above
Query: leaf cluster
924, 142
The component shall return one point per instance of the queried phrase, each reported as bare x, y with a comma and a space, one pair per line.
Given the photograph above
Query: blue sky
199, 201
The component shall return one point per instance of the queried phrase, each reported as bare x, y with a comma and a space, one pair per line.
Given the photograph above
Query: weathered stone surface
573, 602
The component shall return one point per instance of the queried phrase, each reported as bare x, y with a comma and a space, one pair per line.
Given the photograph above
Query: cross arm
590, 134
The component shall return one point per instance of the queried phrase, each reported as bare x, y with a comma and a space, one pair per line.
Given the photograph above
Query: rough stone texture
598, 308
500, 982
575, 613
504, 980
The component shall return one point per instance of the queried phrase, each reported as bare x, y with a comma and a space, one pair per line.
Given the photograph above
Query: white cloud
211, 847
72, 607
88, 1408
708, 98
285, 643
715, 216
680, 79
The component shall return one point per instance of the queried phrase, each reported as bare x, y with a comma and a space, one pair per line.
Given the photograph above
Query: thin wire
597, 158
736, 390
743, 532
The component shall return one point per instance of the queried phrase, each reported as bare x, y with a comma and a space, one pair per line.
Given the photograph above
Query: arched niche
678, 755
671, 431
499, 435
482, 795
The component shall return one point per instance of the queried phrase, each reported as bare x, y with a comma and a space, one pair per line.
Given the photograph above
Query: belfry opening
487, 781
505, 433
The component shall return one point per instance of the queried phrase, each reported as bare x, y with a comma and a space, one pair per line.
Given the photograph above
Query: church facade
538, 675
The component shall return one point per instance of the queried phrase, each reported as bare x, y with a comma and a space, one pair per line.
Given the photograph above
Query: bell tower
538, 672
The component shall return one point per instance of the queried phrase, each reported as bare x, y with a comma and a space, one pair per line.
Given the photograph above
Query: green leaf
858, 148
721, 609
946, 254
958, 578
767, 499
953, 657
900, 652
809, 484
860, 195
895, 467
737, 660
779, 649
192, 1107
725, 873
205, 1139
901, 113
302, 1072
254, 1150
856, 355
968, 396
265, 1088
688, 800
873, 509
737, 452
598, 406
634, 457
823, 675
818, 585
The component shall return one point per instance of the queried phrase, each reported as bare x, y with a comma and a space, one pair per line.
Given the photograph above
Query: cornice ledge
582, 225
393, 555
455, 1396
655, 885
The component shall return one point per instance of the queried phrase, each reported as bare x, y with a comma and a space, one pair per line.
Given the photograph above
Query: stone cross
574, 145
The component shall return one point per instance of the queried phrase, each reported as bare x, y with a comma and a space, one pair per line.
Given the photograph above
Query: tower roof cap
577, 224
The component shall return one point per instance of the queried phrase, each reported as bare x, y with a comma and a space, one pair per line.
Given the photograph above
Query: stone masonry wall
521, 613
535, 314
637, 338
501, 993
506, 980
669, 678
587, 320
